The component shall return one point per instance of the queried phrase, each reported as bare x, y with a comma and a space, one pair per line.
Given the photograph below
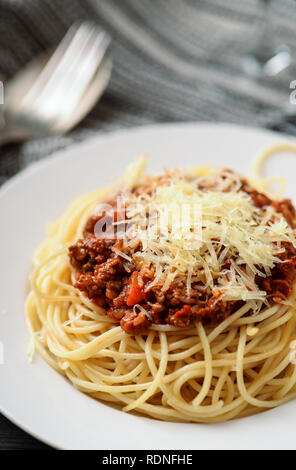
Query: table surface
12, 438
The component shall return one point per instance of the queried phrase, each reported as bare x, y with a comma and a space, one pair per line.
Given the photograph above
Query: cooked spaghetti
172, 296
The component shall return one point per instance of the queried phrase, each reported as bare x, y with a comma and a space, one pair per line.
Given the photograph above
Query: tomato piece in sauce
135, 289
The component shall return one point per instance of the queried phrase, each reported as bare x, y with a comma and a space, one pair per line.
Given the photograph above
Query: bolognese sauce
125, 287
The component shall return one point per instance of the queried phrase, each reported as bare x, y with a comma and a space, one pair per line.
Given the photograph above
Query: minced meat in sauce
119, 286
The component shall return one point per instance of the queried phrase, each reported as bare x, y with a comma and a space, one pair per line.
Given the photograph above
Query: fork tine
85, 72
71, 57
53, 63
63, 62
69, 87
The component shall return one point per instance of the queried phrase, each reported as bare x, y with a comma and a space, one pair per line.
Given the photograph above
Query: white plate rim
52, 159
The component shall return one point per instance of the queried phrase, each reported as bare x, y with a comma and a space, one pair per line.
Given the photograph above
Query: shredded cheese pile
208, 230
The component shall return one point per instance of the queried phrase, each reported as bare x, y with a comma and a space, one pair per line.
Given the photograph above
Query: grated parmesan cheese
208, 230
252, 330
120, 253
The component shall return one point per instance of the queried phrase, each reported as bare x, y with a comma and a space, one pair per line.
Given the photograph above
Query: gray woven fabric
175, 60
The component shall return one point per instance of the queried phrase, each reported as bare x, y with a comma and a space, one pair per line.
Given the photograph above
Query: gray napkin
176, 60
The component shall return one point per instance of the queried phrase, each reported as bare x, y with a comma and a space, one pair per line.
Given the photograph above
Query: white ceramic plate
37, 398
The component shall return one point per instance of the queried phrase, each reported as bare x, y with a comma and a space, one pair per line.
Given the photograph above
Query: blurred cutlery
55, 91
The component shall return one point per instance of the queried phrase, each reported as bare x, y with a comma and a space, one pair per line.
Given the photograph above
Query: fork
51, 95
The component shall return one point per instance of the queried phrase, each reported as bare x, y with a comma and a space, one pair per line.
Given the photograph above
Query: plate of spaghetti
161, 296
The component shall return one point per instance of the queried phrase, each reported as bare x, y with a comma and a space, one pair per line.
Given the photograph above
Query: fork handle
7, 134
